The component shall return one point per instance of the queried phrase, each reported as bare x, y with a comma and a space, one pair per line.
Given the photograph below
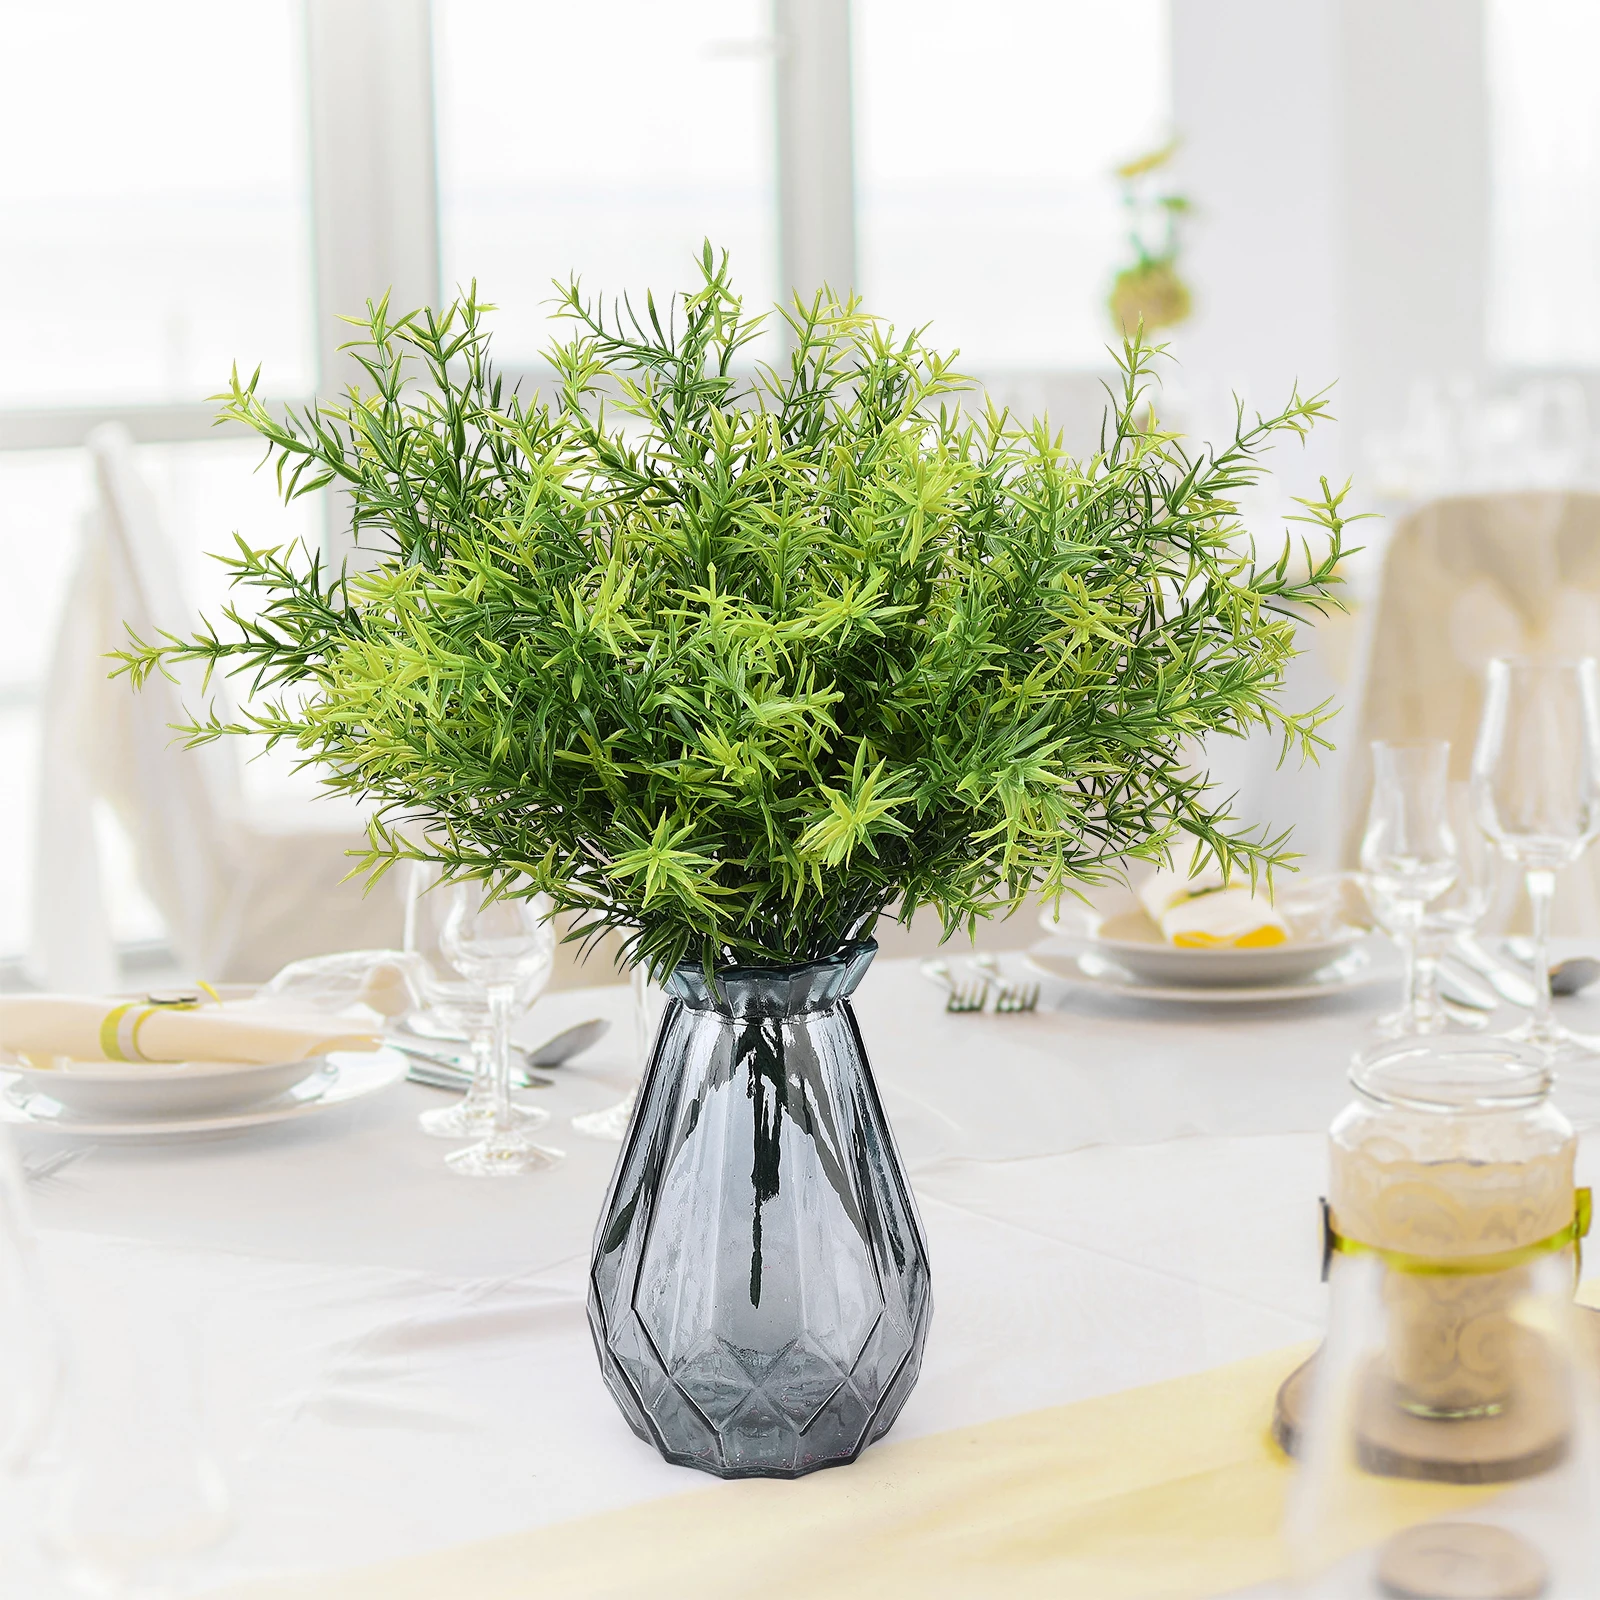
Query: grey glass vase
759, 1295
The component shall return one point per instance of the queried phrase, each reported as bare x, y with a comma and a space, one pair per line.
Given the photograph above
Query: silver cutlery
444, 1072
1566, 977
1009, 997
1511, 985
1459, 986
960, 998
447, 1072
36, 1169
568, 1043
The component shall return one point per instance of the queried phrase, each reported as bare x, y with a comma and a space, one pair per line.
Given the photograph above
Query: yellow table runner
1169, 1492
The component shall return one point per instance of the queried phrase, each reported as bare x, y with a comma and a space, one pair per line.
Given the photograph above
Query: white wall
1336, 151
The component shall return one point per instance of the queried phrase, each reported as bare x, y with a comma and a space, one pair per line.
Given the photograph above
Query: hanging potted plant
737, 665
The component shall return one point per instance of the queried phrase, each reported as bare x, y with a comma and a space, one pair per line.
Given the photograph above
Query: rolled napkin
1206, 912
86, 1028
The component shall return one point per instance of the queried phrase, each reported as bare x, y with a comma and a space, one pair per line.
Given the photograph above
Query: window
607, 139
164, 167
986, 198
1544, 303
153, 184
155, 197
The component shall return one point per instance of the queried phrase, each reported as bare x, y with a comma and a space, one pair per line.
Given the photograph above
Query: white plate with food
42, 1099
1070, 962
1129, 939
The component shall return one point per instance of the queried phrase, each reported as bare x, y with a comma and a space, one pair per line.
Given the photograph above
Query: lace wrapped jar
1451, 1151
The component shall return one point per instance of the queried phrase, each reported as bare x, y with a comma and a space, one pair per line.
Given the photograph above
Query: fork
960, 997
1009, 997
47, 1166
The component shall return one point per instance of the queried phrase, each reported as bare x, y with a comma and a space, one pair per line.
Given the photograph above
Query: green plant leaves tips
736, 663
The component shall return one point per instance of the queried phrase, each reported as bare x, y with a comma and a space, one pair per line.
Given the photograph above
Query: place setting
758, 852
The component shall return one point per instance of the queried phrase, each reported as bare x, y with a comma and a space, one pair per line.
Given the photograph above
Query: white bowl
131, 1092
1130, 940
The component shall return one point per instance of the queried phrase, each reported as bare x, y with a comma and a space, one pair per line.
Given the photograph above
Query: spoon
1566, 977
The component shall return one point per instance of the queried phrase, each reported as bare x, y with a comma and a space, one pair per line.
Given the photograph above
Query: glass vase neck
774, 991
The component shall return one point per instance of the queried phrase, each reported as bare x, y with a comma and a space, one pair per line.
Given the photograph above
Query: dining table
396, 1362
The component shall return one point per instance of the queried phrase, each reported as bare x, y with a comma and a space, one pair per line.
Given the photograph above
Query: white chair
1466, 579
241, 893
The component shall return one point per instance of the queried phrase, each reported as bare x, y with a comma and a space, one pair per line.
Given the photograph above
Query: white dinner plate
1073, 964
333, 1080
114, 1091
1130, 940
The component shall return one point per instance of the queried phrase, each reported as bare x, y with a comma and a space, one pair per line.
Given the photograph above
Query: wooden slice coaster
1528, 1437
1461, 1561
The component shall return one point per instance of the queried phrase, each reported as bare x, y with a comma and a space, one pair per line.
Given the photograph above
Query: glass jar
1450, 1443
1451, 1150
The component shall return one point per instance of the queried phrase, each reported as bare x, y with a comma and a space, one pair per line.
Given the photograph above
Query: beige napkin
86, 1028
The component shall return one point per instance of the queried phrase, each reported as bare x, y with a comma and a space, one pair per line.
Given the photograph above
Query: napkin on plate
1206, 912
87, 1028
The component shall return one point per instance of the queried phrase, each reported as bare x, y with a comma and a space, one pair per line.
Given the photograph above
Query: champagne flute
1536, 792
1408, 856
505, 946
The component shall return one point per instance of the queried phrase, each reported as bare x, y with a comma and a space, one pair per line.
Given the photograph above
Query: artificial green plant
735, 662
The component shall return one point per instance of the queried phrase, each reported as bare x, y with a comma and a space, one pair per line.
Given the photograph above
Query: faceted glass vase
759, 1295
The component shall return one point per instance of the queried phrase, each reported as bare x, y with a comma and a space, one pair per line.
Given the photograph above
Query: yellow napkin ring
1335, 1243
119, 1032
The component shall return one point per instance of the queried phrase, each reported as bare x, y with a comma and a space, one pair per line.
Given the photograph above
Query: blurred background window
1544, 296
156, 213
185, 184
984, 159
606, 139
156, 229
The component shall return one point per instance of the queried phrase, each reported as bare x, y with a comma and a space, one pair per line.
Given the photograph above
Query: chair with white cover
1466, 579
241, 892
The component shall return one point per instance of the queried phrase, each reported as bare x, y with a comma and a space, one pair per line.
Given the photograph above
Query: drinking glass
612, 1123
440, 1014
1536, 792
135, 1494
464, 1008
506, 947
1408, 857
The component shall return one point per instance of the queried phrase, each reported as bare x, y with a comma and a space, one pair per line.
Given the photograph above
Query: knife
1512, 985
1461, 987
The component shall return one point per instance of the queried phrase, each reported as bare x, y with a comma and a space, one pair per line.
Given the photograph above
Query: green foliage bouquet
736, 664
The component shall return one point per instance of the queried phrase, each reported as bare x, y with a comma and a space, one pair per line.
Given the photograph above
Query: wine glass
612, 1122
1536, 793
463, 1009
504, 945
1408, 857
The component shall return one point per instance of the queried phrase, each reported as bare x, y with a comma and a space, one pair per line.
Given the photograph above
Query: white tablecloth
397, 1359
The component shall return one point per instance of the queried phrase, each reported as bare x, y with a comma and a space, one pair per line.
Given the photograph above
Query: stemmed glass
1408, 857
506, 947
1536, 791
612, 1122
464, 1008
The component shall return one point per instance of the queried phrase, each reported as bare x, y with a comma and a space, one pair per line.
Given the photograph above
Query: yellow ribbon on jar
1336, 1243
